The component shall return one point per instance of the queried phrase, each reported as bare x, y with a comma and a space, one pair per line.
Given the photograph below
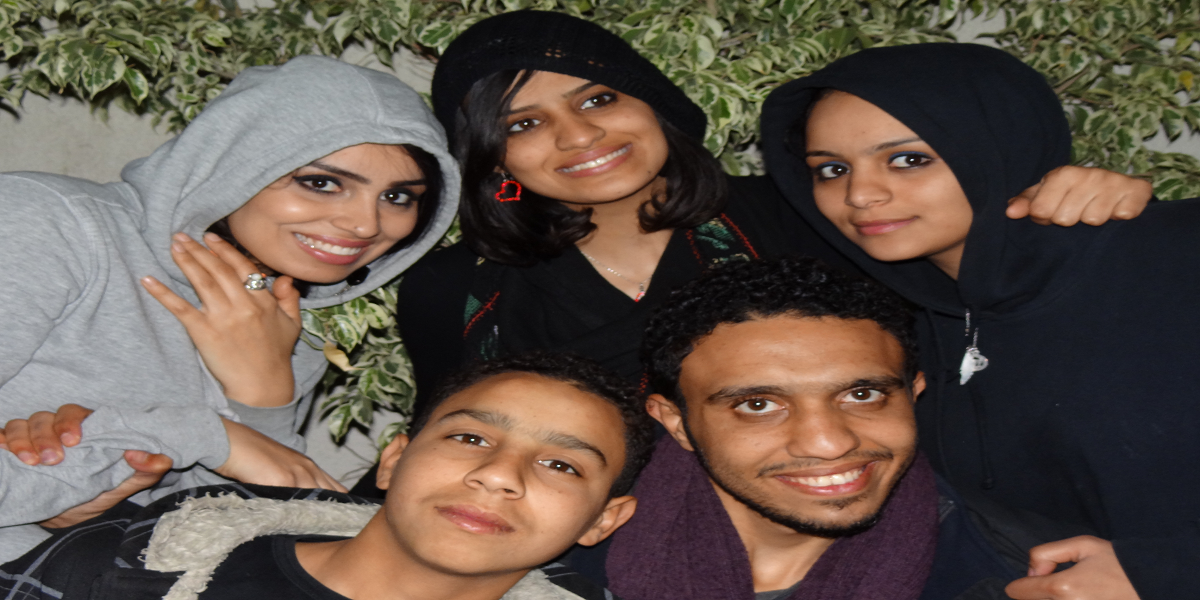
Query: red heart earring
509, 186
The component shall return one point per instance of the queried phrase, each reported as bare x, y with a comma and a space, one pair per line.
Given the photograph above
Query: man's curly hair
739, 291
584, 374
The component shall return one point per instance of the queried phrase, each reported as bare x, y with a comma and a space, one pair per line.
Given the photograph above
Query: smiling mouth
591, 164
825, 481
327, 247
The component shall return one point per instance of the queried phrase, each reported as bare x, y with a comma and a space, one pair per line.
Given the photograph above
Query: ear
918, 385
616, 513
664, 411
388, 459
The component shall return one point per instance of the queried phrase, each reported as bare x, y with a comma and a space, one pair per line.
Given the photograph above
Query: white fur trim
197, 537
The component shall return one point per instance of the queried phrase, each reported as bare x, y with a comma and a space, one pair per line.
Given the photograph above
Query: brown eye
865, 395
470, 439
523, 125
757, 406
559, 466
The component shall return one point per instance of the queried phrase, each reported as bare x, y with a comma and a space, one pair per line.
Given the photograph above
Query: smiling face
882, 186
580, 142
506, 475
802, 423
328, 218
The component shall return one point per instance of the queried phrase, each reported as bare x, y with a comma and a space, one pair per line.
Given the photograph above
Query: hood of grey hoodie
266, 124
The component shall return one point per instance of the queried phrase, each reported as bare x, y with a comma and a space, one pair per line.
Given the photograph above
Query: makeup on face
882, 186
581, 142
334, 215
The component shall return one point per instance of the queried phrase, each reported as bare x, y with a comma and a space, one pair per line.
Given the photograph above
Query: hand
148, 470
245, 337
40, 439
1068, 195
256, 458
1097, 575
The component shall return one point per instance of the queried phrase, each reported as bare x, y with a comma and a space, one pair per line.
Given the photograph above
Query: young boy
513, 462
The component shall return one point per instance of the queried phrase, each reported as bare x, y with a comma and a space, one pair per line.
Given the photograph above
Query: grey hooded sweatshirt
79, 328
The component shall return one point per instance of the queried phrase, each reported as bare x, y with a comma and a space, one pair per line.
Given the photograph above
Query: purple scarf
682, 544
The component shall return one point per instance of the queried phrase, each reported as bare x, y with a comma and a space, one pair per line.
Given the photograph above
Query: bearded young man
791, 468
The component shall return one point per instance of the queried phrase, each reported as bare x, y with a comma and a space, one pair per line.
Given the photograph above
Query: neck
779, 555
949, 260
620, 243
374, 566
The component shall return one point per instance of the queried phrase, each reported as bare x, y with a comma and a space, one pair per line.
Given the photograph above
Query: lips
596, 161
334, 251
882, 226
474, 520
835, 482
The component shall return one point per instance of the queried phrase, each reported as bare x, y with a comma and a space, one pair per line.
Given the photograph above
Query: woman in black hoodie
1058, 358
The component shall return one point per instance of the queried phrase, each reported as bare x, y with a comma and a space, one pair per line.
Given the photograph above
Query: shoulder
442, 267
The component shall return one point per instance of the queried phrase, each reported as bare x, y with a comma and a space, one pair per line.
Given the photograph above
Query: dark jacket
1086, 412
113, 556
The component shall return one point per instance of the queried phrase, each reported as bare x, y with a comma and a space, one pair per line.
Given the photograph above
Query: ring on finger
255, 282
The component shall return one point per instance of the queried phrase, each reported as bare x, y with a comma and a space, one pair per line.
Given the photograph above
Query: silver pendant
973, 361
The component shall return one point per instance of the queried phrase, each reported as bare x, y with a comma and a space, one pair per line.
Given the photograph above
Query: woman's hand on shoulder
258, 459
40, 439
1068, 195
245, 336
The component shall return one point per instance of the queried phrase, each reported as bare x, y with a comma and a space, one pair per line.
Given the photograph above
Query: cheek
399, 223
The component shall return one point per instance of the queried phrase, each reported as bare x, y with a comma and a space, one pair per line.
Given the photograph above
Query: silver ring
255, 282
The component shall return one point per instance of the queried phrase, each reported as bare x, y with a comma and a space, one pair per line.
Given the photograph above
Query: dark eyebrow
570, 442
565, 95
336, 171
486, 417
397, 184
872, 150
887, 382
502, 421
728, 393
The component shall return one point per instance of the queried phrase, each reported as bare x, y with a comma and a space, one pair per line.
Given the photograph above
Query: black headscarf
558, 43
996, 123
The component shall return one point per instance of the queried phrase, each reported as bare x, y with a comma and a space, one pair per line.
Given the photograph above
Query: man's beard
797, 524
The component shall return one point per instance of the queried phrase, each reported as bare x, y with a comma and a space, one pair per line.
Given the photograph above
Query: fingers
1044, 558
68, 423
1018, 208
182, 309
17, 438
288, 296
147, 464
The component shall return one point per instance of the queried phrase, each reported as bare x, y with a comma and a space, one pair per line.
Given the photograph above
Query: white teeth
591, 164
327, 247
828, 480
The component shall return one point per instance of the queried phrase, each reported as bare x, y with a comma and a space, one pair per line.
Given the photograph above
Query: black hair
584, 374
537, 227
427, 207
737, 291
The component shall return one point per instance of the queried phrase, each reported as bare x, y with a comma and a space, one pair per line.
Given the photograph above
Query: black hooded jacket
1088, 412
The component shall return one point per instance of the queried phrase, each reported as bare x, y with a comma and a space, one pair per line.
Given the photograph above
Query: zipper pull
973, 360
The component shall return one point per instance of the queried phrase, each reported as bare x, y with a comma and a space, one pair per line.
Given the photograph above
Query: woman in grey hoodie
313, 168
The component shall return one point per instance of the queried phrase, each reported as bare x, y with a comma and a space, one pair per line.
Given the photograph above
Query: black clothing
565, 304
1085, 413
549, 41
102, 559
266, 568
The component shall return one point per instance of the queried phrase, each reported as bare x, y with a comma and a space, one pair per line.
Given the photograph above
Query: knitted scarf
682, 544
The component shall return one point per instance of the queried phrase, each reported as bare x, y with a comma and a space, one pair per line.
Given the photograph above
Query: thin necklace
641, 286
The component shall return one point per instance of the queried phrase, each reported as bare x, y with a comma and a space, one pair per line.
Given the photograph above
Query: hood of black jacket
999, 127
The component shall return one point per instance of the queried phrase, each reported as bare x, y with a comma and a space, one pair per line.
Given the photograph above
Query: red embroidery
739, 234
486, 307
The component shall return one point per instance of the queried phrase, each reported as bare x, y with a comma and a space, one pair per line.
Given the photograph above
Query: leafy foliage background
1124, 69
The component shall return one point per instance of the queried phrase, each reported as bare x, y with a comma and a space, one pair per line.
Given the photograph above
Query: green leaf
138, 86
701, 52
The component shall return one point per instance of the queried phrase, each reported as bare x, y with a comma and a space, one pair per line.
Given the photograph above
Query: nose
577, 131
865, 189
822, 433
501, 473
358, 215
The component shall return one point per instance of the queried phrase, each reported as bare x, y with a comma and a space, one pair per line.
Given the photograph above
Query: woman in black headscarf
1057, 358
